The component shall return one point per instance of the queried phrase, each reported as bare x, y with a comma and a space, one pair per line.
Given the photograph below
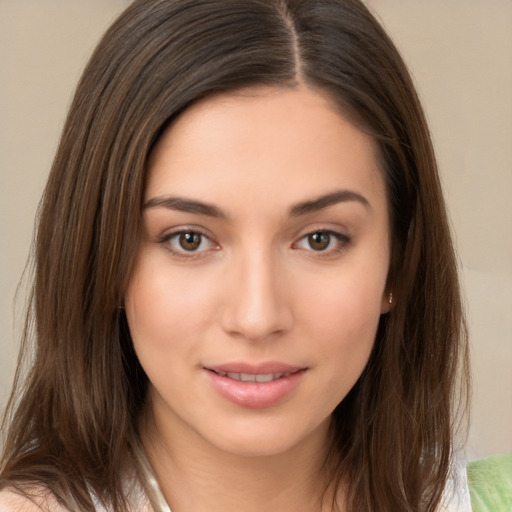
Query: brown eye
189, 241
326, 243
319, 241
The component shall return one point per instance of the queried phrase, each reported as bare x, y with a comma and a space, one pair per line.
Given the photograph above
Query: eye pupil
189, 241
319, 241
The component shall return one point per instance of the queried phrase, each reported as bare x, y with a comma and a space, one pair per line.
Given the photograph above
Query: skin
257, 288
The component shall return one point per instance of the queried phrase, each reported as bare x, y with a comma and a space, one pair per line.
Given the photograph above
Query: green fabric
490, 484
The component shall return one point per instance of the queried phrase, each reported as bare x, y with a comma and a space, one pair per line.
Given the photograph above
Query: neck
196, 476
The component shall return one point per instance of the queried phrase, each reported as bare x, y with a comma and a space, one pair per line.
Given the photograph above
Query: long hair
71, 422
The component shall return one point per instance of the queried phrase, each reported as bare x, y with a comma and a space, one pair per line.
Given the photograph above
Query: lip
262, 368
255, 395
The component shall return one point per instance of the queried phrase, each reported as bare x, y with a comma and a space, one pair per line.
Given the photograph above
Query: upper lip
255, 369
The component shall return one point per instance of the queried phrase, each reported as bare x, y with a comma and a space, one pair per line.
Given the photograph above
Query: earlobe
387, 302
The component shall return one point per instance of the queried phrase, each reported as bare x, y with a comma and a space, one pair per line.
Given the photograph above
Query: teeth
269, 377
250, 377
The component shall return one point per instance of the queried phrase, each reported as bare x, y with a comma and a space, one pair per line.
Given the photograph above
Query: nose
256, 306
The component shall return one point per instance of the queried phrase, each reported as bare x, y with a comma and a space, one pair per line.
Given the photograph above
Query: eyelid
168, 235
343, 240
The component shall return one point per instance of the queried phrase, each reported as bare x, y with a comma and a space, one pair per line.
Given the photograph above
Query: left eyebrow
185, 205
340, 196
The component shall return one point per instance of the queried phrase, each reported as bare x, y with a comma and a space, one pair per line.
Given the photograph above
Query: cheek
163, 303
343, 303
165, 314
348, 330
342, 317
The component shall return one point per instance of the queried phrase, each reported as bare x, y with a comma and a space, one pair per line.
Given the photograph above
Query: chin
257, 440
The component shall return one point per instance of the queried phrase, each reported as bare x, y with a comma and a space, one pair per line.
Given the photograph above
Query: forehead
280, 142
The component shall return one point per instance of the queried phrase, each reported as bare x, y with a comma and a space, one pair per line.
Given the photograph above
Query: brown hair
71, 423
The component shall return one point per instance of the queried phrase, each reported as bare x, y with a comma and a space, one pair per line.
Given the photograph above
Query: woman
245, 292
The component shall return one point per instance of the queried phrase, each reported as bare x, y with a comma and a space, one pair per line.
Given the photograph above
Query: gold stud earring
391, 298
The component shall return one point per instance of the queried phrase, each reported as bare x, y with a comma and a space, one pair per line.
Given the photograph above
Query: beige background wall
460, 53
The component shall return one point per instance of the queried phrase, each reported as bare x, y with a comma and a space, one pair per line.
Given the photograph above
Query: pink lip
255, 395
263, 368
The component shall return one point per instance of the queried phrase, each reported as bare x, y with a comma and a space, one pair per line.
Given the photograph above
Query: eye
323, 241
187, 242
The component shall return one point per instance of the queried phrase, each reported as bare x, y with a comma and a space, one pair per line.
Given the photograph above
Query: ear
387, 303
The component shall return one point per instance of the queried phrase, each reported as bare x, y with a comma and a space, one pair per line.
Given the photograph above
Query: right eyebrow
184, 205
319, 203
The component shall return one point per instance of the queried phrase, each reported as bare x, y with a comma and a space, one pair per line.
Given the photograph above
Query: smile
254, 386
251, 377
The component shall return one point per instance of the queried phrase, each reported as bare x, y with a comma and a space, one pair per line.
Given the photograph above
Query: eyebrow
185, 205
340, 196
200, 208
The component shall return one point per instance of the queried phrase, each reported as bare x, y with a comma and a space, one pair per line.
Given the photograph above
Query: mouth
255, 386
253, 377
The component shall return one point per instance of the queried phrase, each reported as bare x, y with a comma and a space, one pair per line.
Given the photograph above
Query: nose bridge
257, 307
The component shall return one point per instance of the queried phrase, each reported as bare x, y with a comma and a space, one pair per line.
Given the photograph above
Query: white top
456, 494
456, 498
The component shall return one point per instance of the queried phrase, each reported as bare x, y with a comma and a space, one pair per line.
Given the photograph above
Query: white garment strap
161, 503
456, 496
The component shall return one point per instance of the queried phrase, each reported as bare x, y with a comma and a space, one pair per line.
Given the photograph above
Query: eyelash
167, 239
341, 241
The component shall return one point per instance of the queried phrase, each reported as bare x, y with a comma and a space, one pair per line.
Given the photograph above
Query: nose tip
255, 325
257, 308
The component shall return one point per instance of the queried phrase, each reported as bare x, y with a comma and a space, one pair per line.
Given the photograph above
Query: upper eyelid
324, 228
170, 232
332, 232
299, 234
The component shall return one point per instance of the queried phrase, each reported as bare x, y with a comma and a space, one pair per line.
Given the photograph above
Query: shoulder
40, 499
490, 483
12, 501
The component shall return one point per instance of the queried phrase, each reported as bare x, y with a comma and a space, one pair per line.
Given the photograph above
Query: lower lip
255, 395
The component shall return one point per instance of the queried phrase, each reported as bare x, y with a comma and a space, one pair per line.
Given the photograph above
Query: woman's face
261, 277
